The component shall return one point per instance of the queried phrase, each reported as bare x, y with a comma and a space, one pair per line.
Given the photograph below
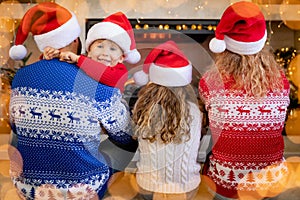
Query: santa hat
242, 30
165, 65
118, 29
50, 25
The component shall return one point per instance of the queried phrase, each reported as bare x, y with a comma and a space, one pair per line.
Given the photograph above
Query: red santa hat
242, 30
118, 29
50, 25
165, 65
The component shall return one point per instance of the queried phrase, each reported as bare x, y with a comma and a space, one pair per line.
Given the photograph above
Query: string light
279, 25
284, 56
137, 26
201, 6
146, 26
178, 27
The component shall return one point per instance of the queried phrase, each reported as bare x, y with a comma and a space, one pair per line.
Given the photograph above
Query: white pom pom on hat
17, 52
42, 21
140, 78
133, 56
217, 46
242, 30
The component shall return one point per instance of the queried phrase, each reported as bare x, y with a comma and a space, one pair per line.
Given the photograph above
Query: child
168, 125
108, 44
246, 97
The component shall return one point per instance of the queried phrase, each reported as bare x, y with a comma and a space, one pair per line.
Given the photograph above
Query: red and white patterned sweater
248, 146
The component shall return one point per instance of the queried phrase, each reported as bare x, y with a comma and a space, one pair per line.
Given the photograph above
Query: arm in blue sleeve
118, 125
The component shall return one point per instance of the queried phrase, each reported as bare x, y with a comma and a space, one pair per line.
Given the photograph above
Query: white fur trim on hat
170, 77
109, 31
140, 78
17, 52
245, 48
60, 37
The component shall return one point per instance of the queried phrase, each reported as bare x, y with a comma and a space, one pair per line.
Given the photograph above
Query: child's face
106, 52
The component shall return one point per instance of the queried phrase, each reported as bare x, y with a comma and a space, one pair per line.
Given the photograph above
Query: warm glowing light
184, 27
146, 26
137, 26
153, 36
293, 123
294, 67
289, 13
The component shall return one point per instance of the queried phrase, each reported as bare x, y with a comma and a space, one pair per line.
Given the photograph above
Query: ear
79, 45
76, 41
121, 59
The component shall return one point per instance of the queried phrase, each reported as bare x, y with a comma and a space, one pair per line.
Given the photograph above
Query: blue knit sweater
56, 112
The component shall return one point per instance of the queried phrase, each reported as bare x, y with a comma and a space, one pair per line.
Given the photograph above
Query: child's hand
69, 57
129, 81
50, 53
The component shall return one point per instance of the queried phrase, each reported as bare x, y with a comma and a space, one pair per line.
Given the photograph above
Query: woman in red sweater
246, 96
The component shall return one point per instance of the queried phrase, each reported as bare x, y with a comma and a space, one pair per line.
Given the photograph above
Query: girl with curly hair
168, 126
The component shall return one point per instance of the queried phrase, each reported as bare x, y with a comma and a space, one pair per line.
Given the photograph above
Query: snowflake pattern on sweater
248, 146
56, 111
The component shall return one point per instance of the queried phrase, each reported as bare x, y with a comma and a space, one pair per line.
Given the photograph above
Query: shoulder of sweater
65, 69
193, 105
44, 62
194, 109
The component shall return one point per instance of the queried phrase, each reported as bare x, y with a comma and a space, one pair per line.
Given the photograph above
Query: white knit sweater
171, 168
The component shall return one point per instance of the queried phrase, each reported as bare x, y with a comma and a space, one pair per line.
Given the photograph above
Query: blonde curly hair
256, 74
163, 112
